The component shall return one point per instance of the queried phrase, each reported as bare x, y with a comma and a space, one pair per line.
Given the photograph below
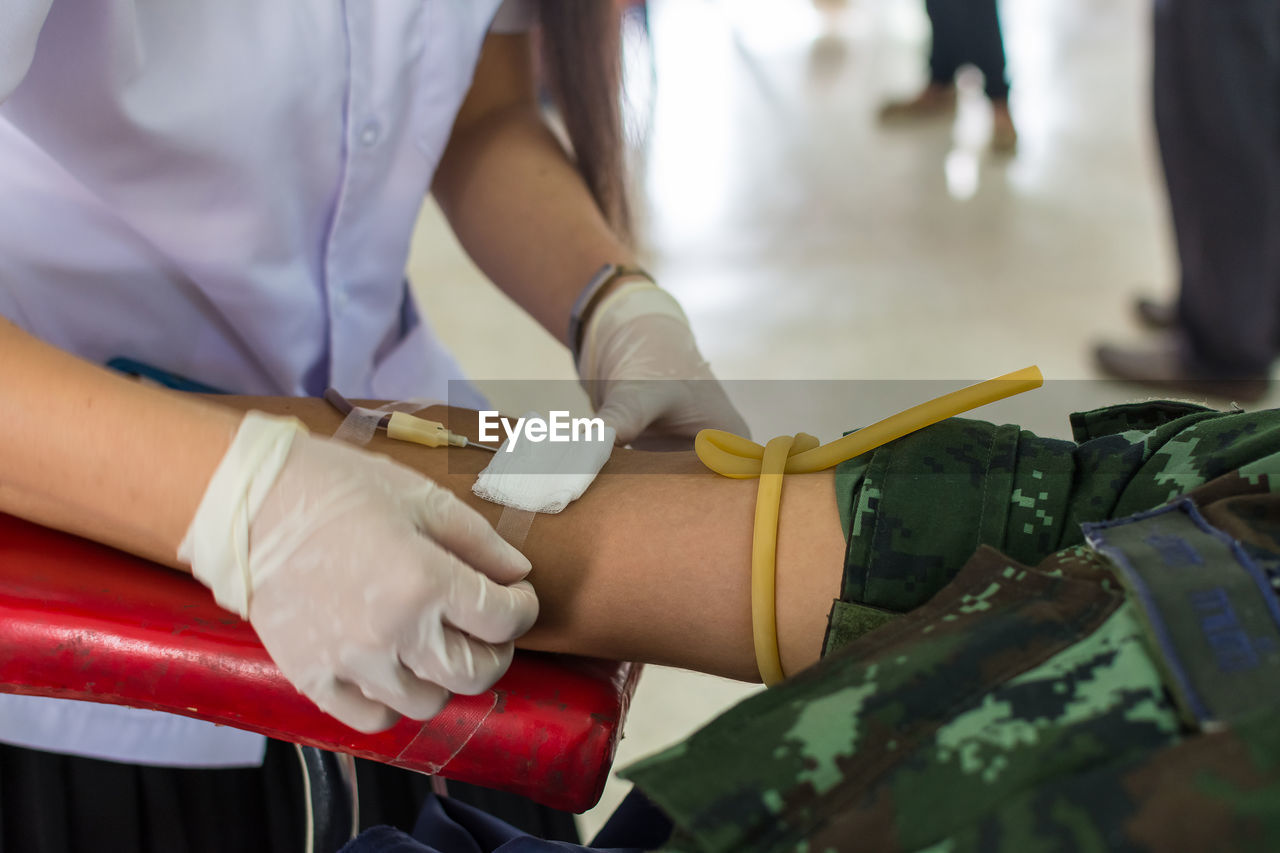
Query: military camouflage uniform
1016, 708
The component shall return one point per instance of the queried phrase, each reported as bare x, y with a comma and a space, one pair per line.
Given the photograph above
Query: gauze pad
543, 476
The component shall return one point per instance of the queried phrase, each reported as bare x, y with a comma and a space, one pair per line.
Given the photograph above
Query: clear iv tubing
740, 458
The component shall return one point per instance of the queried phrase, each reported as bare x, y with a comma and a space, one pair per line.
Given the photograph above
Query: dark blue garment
448, 826
967, 32
130, 367
1216, 85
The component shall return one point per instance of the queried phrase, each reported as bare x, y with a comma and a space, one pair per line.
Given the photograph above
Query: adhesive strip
514, 526
360, 423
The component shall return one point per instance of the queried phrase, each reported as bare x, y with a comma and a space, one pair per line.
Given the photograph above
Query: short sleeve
20, 24
515, 16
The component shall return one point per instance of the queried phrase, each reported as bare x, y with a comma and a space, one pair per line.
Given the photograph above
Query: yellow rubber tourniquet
733, 456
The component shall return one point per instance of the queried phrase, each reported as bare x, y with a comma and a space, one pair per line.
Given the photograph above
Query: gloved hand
375, 590
642, 370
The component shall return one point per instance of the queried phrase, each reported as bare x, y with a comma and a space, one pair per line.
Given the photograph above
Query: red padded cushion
79, 620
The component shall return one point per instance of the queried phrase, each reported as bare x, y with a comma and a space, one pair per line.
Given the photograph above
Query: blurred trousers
1217, 109
967, 32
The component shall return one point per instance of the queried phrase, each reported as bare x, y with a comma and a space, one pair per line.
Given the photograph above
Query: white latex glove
375, 590
642, 370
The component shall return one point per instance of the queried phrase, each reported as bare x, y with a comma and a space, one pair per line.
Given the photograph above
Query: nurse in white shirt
225, 189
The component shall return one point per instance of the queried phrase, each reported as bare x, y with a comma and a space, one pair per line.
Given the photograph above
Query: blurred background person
965, 32
1217, 108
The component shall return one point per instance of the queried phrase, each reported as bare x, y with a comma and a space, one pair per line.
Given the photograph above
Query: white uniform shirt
225, 189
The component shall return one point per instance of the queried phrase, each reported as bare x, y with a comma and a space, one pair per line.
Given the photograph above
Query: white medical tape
360, 424
513, 526
216, 545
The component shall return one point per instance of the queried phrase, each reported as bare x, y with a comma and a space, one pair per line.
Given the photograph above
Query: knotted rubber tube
734, 456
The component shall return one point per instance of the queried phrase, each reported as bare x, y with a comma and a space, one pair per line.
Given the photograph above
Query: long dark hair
581, 58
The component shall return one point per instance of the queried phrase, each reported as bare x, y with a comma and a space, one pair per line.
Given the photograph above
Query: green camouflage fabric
1010, 708
914, 510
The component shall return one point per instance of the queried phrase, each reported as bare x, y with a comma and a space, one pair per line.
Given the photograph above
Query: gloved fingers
489, 611
626, 423
711, 408
465, 665
676, 409
632, 405
346, 703
461, 530
383, 679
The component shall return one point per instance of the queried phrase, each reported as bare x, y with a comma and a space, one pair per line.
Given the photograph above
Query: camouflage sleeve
1218, 791
1011, 708
1019, 709
915, 509
1008, 678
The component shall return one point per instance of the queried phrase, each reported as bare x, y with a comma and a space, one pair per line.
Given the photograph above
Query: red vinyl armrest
79, 620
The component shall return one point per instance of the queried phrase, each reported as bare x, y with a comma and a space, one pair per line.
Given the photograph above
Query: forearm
90, 452
653, 562
524, 214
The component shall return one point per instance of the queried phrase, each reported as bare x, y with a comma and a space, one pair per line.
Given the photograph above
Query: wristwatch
590, 296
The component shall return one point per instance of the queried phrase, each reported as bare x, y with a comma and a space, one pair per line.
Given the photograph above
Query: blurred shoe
1167, 366
1156, 315
935, 101
1004, 136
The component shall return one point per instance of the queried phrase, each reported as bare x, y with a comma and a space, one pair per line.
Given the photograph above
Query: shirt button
371, 133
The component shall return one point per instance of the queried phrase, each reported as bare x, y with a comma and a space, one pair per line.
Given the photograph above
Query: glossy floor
807, 241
